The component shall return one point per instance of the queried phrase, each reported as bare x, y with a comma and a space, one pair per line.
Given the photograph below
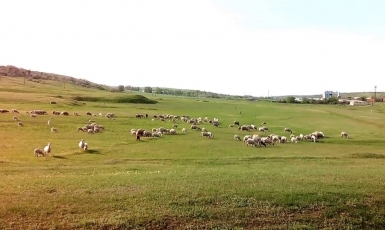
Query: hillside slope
36, 76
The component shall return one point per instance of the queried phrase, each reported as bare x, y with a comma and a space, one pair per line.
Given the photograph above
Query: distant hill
36, 76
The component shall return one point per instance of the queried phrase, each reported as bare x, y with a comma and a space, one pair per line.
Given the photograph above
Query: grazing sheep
236, 123
89, 114
85, 147
184, 130
75, 114
53, 129
38, 152
283, 139
15, 118
313, 138
100, 114
90, 131
288, 130
14, 111
237, 137
294, 139
52, 102
64, 113
207, 134
20, 124
81, 144
47, 149
344, 134
251, 142
172, 131
244, 128
264, 123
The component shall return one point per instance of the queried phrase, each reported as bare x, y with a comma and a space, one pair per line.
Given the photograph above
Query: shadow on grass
92, 151
59, 157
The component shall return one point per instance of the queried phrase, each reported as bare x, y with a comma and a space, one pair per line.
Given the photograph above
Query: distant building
358, 102
329, 94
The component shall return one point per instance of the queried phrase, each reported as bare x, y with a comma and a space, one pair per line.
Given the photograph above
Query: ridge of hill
36, 76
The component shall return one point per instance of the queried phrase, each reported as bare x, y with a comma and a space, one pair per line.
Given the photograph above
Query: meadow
184, 181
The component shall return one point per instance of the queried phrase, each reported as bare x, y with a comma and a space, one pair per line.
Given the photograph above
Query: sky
252, 47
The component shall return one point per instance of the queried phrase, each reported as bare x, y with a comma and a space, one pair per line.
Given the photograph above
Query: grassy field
183, 181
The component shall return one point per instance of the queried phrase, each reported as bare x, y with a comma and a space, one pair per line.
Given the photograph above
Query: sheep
236, 123
172, 131
264, 123
245, 138
283, 139
288, 130
64, 113
47, 149
204, 130
206, 134
80, 129
184, 130
53, 129
52, 102
251, 142
49, 122
90, 131
140, 132
231, 125
294, 139
175, 126
81, 144
313, 138
38, 152
244, 128
85, 147
33, 115
344, 134
14, 111
100, 114
237, 137
20, 124
15, 118
89, 114
75, 114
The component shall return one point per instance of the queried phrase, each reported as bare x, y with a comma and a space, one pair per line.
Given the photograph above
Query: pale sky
225, 46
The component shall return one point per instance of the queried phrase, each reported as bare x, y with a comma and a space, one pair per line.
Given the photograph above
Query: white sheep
294, 139
81, 144
344, 134
283, 139
47, 149
38, 152
172, 131
184, 130
237, 137
85, 147
53, 129
49, 122
33, 115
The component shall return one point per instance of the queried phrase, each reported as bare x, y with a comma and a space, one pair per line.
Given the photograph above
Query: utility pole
375, 92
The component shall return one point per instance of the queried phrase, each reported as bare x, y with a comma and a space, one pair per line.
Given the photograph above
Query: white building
358, 102
329, 94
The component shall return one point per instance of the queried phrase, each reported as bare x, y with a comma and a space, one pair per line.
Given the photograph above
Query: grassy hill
185, 181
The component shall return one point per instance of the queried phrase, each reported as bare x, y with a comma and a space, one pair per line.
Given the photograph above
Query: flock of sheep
91, 127
250, 140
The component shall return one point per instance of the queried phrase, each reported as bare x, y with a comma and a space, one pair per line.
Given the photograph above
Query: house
358, 102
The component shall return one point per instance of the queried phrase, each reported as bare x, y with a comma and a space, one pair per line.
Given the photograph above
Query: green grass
184, 181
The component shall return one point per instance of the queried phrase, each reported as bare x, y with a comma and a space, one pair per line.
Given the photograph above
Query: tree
147, 89
332, 100
290, 99
120, 88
